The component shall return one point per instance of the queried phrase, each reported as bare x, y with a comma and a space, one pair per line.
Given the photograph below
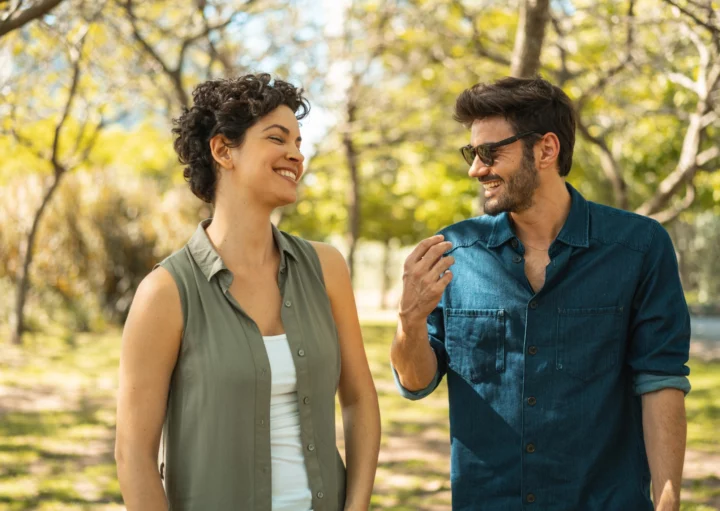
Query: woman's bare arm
358, 397
150, 344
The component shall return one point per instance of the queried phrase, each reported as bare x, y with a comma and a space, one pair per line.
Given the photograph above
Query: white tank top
290, 485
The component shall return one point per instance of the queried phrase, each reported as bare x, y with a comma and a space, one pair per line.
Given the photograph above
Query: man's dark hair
528, 104
227, 107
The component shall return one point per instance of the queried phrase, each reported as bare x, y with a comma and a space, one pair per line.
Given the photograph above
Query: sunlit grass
57, 419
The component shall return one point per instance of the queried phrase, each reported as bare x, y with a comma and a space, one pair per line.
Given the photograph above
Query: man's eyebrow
283, 129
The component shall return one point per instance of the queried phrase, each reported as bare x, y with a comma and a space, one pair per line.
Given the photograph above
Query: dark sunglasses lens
468, 154
485, 155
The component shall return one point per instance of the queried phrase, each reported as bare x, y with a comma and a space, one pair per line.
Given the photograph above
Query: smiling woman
226, 112
236, 344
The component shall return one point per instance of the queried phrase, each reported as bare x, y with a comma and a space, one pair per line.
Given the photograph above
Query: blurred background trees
92, 194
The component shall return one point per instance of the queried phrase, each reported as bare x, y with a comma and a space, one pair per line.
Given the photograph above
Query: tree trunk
353, 198
529, 38
534, 16
23, 280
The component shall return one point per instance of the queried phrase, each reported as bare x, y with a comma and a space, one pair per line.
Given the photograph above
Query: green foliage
100, 237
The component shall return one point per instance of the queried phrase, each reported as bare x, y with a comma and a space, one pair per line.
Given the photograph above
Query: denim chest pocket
475, 342
589, 341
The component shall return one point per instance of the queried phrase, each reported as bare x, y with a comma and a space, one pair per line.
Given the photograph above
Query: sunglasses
486, 152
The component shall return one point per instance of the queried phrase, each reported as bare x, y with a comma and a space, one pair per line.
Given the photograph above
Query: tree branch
673, 212
36, 11
712, 28
76, 59
609, 165
605, 78
707, 156
684, 81
476, 39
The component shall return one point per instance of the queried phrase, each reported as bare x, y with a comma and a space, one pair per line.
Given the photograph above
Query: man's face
512, 180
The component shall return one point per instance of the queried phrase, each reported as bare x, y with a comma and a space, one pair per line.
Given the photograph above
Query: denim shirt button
533, 305
514, 243
532, 350
530, 498
517, 259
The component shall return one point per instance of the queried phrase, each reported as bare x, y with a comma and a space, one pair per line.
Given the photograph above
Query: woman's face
268, 165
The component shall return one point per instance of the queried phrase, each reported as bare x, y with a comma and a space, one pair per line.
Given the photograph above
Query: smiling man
562, 327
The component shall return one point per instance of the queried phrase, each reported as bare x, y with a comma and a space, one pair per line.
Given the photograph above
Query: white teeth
489, 186
286, 173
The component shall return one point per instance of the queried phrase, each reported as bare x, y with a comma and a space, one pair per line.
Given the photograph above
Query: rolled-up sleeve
660, 325
436, 333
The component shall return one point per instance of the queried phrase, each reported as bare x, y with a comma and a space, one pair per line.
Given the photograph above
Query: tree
661, 74
18, 13
529, 37
74, 131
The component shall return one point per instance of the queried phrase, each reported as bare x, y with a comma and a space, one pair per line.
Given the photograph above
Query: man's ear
220, 149
547, 151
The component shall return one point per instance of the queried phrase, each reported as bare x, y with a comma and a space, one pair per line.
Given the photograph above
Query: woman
235, 345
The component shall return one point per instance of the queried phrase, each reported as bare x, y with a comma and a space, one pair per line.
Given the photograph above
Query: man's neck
538, 226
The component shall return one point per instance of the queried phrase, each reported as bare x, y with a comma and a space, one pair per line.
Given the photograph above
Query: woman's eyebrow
283, 129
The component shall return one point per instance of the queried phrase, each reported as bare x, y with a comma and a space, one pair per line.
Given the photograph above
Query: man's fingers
419, 251
443, 282
433, 255
443, 264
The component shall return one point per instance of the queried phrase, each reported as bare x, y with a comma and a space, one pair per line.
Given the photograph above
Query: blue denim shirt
544, 388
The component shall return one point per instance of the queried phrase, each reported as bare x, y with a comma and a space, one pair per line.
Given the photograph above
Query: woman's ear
221, 152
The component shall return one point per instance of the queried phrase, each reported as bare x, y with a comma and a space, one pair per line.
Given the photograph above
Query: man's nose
478, 169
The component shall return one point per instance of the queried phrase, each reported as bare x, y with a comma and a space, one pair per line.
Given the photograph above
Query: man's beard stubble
519, 189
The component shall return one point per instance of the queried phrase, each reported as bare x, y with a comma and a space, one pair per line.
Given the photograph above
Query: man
562, 328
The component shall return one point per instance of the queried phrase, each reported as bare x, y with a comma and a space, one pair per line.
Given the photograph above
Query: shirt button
320, 494
288, 303
530, 448
532, 401
263, 372
517, 259
306, 400
532, 350
301, 352
530, 498
533, 304
514, 243
311, 447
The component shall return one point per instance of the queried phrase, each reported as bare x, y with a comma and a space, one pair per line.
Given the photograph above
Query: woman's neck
242, 234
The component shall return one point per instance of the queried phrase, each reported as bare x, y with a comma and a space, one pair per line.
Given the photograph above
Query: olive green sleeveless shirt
216, 435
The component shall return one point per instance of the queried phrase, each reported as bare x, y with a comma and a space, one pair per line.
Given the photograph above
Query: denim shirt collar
210, 262
575, 231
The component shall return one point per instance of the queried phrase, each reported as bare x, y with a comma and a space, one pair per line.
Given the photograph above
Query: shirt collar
574, 232
210, 262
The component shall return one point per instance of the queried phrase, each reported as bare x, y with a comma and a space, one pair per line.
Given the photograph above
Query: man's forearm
665, 430
412, 357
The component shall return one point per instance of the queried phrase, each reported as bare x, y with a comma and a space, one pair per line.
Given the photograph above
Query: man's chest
535, 266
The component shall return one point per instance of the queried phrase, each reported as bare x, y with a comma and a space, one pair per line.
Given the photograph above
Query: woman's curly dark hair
227, 107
